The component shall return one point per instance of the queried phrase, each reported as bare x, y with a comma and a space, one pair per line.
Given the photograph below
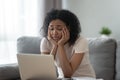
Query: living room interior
23, 19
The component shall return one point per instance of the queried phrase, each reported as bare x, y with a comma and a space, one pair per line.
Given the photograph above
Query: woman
62, 39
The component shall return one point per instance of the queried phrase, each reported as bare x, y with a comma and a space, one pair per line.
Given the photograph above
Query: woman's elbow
68, 75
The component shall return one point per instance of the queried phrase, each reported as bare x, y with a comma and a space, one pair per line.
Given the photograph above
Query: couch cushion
28, 45
118, 61
9, 72
102, 57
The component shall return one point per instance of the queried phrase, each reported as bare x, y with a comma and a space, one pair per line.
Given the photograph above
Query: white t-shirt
81, 46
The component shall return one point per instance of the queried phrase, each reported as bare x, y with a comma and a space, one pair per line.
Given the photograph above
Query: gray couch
104, 56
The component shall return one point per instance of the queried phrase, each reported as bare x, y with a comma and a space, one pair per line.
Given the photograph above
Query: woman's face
55, 29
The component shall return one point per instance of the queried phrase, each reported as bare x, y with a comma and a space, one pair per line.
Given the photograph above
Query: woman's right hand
54, 43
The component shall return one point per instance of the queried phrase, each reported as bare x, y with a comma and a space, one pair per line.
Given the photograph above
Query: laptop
36, 66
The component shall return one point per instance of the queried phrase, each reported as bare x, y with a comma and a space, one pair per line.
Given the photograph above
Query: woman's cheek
60, 34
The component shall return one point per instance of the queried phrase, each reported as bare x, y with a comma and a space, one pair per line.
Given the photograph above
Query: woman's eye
60, 29
51, 29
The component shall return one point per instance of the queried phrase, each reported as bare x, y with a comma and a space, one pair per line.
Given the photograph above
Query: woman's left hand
65, 37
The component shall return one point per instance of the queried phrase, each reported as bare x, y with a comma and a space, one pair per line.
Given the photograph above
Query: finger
49, 36
66, 34
48, 33
62, 34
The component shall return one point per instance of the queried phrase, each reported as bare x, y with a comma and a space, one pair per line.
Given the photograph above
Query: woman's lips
56, 38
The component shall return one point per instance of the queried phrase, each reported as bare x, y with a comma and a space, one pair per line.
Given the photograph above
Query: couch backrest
102, 53
102, 56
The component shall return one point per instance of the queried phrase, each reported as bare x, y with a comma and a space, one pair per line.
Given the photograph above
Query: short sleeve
44, 46
81, 45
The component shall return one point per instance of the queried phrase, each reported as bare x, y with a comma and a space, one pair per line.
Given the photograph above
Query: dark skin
59, 36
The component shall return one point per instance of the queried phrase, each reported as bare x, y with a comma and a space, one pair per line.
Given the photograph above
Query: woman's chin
56, 40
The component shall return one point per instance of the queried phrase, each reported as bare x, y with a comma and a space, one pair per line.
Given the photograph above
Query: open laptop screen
36, 65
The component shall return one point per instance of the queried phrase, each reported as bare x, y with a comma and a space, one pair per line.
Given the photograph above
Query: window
17, 18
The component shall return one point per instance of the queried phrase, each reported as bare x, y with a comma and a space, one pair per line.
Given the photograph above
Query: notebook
34, 66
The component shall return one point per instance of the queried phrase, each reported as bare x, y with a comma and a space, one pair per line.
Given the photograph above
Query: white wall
94, 14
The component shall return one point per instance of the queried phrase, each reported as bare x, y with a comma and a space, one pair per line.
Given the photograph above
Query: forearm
54, 50
64, 62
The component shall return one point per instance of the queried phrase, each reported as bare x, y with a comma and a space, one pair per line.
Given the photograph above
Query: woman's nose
55, 32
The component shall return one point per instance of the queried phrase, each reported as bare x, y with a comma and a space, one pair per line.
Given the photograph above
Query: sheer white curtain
17, 18
20, 18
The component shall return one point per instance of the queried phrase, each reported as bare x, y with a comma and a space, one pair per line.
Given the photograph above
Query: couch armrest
103, 57
118, 61
9, 71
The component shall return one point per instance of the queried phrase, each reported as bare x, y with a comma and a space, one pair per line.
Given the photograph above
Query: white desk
81, 78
